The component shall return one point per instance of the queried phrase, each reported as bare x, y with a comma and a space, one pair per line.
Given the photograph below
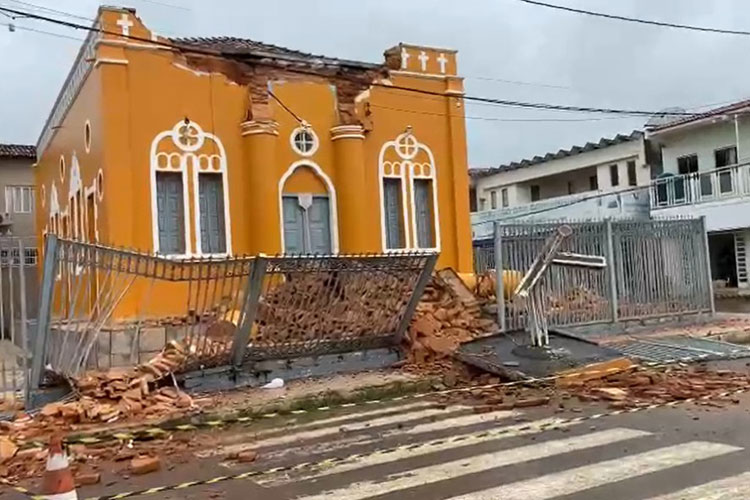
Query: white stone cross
443, 61
404, 58
125, 23
423, 58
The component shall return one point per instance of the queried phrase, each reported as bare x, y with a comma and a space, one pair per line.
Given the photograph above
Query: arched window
179, 156
408, 195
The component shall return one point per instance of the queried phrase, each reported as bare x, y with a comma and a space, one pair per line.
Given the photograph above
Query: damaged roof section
256, 64
228, 45
17, 151
604, 142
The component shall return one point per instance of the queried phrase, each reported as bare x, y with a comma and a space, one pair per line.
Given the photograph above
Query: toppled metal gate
104, 307
656, 268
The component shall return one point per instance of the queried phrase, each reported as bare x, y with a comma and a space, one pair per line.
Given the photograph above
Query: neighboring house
17, 189
568, 184
706, 173
179, 151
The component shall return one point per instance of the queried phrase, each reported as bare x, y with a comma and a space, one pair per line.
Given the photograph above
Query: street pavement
418, 449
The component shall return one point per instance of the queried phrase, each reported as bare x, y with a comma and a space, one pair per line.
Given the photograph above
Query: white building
568, 185
706, 172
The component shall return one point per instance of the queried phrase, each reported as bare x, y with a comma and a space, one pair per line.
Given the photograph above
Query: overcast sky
552, 56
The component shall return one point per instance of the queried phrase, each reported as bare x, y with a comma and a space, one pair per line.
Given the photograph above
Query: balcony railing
701, 187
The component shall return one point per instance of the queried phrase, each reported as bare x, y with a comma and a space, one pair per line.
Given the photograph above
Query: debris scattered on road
276, 383
145, 465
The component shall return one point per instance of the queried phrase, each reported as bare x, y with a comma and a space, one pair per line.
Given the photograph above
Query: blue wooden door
394, 234
211, 201
319, 224
293, 226
423, 212
171, 212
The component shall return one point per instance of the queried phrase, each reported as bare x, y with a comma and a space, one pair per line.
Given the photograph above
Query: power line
498, 119
48, 9
517, 82
616, 17
262, 60
287, 108
42, 32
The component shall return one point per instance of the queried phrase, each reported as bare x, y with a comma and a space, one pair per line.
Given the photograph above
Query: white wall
726, 215
703, 140
552, 176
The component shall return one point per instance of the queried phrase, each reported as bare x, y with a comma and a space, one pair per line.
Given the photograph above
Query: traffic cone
58, 482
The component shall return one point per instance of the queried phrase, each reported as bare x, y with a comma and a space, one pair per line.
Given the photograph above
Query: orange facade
188, 151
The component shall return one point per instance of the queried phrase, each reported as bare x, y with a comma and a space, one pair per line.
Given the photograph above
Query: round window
87, 136
62, 167
304, 141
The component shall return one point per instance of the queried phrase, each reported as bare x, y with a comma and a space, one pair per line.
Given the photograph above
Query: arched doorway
308, 211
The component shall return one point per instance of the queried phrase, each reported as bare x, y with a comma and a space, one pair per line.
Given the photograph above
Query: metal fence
104, 307
655, 268
18, 292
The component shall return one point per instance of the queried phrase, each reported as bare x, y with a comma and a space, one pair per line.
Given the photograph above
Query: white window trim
189, 161
315, 145
332, 204
406, 165
14, 195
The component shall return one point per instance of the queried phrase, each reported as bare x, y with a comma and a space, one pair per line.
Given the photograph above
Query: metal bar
45, 308
424, 278
249, 309
499, 284
24, 331
610, 249
707, 264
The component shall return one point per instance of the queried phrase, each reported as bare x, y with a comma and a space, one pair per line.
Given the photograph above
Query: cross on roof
125, 23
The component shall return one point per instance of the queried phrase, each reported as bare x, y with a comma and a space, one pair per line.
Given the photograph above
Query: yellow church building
226, 146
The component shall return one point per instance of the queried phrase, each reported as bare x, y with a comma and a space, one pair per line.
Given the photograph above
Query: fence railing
18, 294
655, 268
104, 307
701, 187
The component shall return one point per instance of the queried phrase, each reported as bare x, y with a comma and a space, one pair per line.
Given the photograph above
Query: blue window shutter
320, 225
423, 212
170, 212
394, 234
293, 226
211, 202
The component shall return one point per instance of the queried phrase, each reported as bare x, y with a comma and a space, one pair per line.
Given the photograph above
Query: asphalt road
418, 451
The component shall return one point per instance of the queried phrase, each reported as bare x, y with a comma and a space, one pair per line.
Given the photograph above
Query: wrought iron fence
104, 307
655, 268
18, 280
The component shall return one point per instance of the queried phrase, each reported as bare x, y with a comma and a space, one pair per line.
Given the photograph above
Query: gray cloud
597, 62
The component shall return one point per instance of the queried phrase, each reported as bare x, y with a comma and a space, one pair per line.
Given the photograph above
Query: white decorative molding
107, 60
73, 83
403, 167
347, 132
54, 203
315, 141
254, 127
189, 138
332, 203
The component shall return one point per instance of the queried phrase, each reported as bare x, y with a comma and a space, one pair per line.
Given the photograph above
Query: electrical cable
262, 60
287, 108
42, 32
663, 24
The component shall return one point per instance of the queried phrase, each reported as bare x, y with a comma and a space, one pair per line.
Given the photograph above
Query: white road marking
477, 463
428, 448
583, 478
343, 430
730, 488
452, 423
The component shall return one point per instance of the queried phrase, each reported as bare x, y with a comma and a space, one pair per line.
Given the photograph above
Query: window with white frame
304, 141
493, 200
504, 197
19, 199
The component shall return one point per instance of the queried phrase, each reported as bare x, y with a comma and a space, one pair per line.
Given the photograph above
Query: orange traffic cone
58, 482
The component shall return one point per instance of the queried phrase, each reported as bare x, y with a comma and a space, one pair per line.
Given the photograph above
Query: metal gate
18, 296
655, 268
105, 307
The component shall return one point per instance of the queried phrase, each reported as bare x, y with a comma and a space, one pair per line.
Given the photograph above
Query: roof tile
17, 151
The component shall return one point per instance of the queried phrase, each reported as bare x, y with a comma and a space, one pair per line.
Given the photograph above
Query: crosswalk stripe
460, 421
477, 463
730, 488
589, 476
427, 448
296, 437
